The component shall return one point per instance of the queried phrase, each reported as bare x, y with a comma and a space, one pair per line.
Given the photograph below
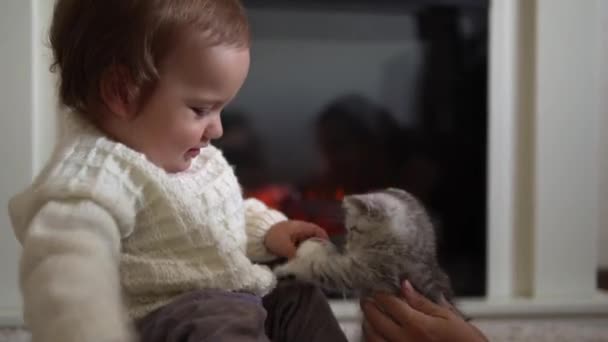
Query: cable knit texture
101, 222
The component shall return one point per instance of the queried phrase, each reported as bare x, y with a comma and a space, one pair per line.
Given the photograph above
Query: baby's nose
215, 129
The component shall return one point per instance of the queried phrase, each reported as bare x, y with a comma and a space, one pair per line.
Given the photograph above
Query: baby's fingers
309, 230
321, 233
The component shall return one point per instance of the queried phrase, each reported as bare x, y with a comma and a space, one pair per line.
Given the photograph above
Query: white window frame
548, 109
547, 100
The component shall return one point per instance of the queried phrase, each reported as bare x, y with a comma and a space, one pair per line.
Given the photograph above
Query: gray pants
293, 312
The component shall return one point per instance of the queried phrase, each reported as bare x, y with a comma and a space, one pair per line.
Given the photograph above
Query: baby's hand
284, 237
311, 251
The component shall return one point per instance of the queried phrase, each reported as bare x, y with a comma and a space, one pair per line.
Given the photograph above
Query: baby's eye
201, 111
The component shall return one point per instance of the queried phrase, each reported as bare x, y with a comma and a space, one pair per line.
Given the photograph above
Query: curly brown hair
89, 36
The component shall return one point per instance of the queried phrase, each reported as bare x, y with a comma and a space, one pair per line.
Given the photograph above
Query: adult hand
415, 318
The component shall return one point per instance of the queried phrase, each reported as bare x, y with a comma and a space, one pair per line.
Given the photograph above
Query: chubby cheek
184, 135
191, 137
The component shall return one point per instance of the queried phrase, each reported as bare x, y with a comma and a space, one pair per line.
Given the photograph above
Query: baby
137, 225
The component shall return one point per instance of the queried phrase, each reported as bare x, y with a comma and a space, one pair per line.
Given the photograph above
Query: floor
554, 330
582, 329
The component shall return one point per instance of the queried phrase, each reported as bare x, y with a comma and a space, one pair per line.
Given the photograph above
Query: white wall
27, 124
604, 142
44, 102
566, 170
15, 133
603, 240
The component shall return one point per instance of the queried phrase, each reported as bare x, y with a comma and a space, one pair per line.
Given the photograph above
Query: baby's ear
118, 92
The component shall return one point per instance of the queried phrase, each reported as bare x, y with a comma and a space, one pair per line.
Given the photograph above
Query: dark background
348, 96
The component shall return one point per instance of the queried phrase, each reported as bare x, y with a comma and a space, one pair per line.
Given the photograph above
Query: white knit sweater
107, 235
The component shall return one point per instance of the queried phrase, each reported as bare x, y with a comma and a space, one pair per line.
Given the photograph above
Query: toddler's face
181, 115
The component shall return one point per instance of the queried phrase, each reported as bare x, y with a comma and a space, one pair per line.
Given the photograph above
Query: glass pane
361, 95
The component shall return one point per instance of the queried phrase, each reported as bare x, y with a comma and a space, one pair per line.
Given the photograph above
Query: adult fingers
421, 303
446, 304
382, 324
370, 334
401, 312
393, 306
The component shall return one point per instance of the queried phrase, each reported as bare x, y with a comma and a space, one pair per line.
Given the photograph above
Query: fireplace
361, 95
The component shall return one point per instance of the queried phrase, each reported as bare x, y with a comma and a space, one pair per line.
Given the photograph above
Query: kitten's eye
355, 229
375, 213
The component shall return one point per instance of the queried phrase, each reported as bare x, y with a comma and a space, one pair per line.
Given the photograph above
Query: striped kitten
390, 238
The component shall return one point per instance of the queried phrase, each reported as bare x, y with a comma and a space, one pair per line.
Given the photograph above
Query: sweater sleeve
258, 220
69, 275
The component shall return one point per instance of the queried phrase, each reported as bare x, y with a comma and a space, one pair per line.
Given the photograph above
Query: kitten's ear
366, 205
355, 202
399, 193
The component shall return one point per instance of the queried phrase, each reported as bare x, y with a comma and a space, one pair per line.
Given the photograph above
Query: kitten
390, 238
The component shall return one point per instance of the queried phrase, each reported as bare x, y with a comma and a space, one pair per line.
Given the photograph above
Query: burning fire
320, 207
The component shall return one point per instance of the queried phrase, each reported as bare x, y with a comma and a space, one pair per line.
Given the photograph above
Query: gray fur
390, 239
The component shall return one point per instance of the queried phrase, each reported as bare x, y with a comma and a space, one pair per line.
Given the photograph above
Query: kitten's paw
285, 271
294, 269
313, 247
309, 252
